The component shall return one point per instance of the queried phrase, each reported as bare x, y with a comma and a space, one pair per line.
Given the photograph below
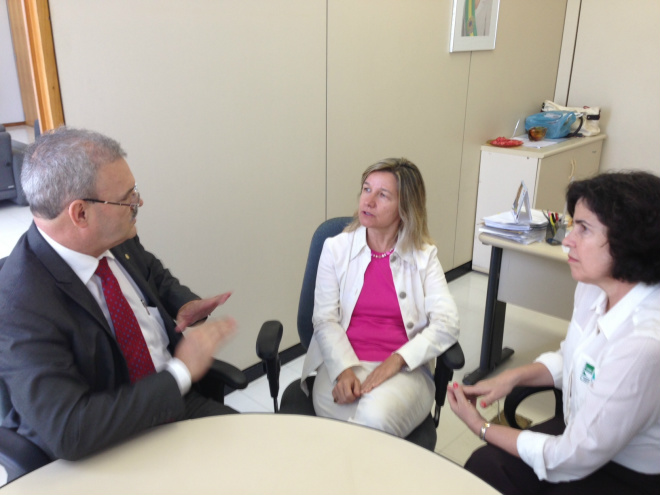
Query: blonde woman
382, 308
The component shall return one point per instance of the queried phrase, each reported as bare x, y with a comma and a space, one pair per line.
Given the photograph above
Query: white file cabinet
546, 172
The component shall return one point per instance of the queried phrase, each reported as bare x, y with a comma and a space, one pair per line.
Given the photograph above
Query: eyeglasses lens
135, 202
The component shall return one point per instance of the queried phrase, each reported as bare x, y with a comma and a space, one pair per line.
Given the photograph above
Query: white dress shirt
148, 317
609, 370
427, 307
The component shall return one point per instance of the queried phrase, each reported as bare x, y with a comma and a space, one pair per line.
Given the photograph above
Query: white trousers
396, 406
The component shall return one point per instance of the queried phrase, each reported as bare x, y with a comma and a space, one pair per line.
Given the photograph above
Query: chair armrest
219, 376
18, 455
445, 364
268, 344
268, 340
519, 394
228, 374
453, 357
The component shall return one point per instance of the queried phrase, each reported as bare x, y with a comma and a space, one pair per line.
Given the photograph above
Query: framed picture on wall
474, 25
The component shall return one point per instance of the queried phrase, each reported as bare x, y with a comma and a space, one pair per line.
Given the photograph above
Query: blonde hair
413, 228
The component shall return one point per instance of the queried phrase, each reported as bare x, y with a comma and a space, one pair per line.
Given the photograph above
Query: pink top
376, 329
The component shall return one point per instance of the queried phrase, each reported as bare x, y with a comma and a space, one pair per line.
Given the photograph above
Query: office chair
518, 394
11, 164
294, 400
19, 456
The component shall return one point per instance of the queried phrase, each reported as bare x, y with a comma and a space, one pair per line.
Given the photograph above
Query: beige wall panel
505, 85
617, 69
394, 90
229, 122
221, 108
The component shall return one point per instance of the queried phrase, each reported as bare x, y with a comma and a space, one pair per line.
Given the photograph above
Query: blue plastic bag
558, 123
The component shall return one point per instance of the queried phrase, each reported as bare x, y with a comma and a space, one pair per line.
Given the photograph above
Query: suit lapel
126, 259
65, 278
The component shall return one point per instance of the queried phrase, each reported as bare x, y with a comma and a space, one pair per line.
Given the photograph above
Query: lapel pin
127, 256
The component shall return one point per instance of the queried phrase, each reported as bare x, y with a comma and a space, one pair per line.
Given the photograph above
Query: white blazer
428, 309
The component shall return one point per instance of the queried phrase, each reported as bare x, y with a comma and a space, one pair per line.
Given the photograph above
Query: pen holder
558, 231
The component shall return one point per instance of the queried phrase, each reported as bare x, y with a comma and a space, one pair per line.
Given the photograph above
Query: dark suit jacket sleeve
163, 288
67, 378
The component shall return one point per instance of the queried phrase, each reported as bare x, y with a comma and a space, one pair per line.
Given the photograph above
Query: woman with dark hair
608, 367
382, 308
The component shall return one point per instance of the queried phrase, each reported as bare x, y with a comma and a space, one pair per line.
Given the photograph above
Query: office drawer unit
546, 172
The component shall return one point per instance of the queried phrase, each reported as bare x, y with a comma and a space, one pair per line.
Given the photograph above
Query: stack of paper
522, 231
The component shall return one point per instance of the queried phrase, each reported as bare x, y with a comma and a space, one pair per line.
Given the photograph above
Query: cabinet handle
570, 177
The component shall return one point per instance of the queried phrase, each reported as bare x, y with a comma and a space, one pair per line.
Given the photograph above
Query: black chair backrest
329, 228
5, 403
5, 149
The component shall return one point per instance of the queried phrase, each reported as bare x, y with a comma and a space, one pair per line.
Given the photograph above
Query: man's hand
347, 389
193, 311
197, 348
385, 370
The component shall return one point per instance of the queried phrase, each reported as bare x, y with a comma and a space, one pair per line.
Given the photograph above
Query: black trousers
511, 476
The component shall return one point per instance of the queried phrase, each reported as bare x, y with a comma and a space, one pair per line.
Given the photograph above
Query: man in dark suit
74, 387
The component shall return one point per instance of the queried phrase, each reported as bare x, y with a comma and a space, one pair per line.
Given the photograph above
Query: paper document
506, 220
523, 237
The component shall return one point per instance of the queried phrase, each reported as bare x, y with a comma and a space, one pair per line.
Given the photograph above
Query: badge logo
588, 373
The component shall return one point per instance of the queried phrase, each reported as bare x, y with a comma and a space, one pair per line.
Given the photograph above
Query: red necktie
127, 329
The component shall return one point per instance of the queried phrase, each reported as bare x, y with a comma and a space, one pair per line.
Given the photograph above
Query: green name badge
588, 373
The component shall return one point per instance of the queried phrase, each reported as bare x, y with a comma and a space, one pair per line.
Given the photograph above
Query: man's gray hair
62, 165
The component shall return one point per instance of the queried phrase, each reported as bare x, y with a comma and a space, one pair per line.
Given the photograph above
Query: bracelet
482, 434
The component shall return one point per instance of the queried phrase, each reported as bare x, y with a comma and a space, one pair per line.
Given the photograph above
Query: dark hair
628, 204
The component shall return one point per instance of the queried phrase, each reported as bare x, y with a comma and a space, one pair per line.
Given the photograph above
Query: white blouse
609, 370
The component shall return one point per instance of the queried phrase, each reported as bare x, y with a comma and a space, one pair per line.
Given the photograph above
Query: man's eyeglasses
134, 204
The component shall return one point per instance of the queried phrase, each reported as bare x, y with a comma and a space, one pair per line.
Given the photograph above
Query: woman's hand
385, 370
464, 407
503, 437
490, 390
348, 387
498, 387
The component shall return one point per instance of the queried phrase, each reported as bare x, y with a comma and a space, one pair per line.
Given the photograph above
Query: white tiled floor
527, 332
